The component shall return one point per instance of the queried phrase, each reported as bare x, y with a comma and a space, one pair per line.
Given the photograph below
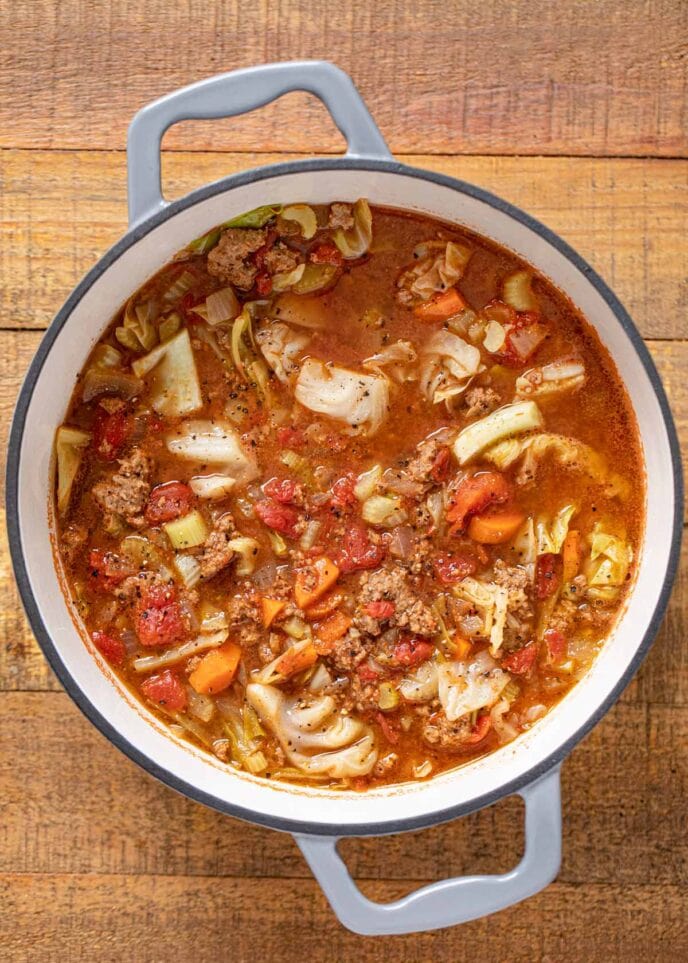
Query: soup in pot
347, 495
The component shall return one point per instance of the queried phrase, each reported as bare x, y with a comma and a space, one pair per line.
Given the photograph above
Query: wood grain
60, 211
148, 919
480, 76
113, 818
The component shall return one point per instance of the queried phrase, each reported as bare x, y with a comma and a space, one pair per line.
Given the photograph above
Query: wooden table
575, 112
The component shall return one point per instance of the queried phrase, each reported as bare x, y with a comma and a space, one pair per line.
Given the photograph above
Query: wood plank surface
60, 211
578, 114
149, 919
480, 76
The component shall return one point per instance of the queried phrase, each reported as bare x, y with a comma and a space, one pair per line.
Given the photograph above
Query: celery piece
188, 531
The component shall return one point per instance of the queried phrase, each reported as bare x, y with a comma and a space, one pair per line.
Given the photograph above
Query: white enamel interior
50, 399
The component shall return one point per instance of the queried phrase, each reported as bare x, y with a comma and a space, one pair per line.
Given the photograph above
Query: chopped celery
205, 243
304, 217
367, 482
355, 242
518, 292
188, 531
315, 277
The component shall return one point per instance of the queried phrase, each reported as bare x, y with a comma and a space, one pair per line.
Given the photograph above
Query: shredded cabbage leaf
566, 374
281, 346
491, 603
420, 685
70, 444
439, 270
465, 687
173, 380
397, 360
448, 366
551, 534
355, 242
360, 401
487, 432
213, 443
316, 737
610, 561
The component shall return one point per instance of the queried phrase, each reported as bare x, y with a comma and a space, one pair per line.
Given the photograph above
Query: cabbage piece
566, 374
281, 346
316, 737
465, 687
301, 310
69, 450
147, 663
212, 486
304, 217
173, 384
525, 544
491, 603
568, 452
509, 420
360, 401
610, 560
356, 241
448, 365
213, 443
247, 549
137, 331
421, 684
551, 535
397, 360
222, 305
439, 270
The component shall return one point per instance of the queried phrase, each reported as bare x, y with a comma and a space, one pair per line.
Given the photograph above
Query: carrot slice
312, 582
270, 609
571, 554
296, 658
216, 670
324, 606
495, 528
441, 306
327, 633
463, 646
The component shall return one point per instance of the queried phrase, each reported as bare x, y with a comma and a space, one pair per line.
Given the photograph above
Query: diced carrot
441, 306
270, 609
327, 633
216, 670
495, 528
296, 658
324, 606
463, 646
314, 581
473, 495
571, 554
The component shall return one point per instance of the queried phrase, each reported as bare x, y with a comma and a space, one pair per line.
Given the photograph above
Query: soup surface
348, 495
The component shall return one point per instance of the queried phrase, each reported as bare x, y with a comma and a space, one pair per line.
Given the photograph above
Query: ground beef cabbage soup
348, 495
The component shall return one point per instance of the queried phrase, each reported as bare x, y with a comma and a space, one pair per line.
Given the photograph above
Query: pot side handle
449, 901
238, 92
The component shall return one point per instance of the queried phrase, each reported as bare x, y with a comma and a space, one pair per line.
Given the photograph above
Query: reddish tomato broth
306, 583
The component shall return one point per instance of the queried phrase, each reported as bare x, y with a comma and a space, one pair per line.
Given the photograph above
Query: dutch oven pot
317, 817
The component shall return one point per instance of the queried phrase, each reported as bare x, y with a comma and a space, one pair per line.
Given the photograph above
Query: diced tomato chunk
547, 575
482, 726
284, 490
367, 674
343, 492
391, 732
327, 253
380, 610
412, 651
521, 661
281, 518
168, 501
453, 568
166, 690
290, 437
263, 283
158, 619
474, 494
556, 644
441, 466
358, 552
523, 340
109, 433
113, 649
107, 570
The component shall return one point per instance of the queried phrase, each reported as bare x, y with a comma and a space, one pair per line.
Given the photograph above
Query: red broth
348, 496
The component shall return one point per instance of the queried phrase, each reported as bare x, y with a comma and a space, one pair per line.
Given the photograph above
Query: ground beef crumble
228, 260
393, 584
217, 552
126, 492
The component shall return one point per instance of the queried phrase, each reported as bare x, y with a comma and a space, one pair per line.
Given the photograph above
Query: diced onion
222, 306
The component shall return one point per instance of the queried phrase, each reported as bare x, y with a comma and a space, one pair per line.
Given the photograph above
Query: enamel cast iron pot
317, 817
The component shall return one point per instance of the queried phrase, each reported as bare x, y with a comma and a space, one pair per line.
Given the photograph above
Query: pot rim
50, 650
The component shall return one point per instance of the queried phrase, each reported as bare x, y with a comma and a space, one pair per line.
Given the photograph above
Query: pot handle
449, 901
238, 92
